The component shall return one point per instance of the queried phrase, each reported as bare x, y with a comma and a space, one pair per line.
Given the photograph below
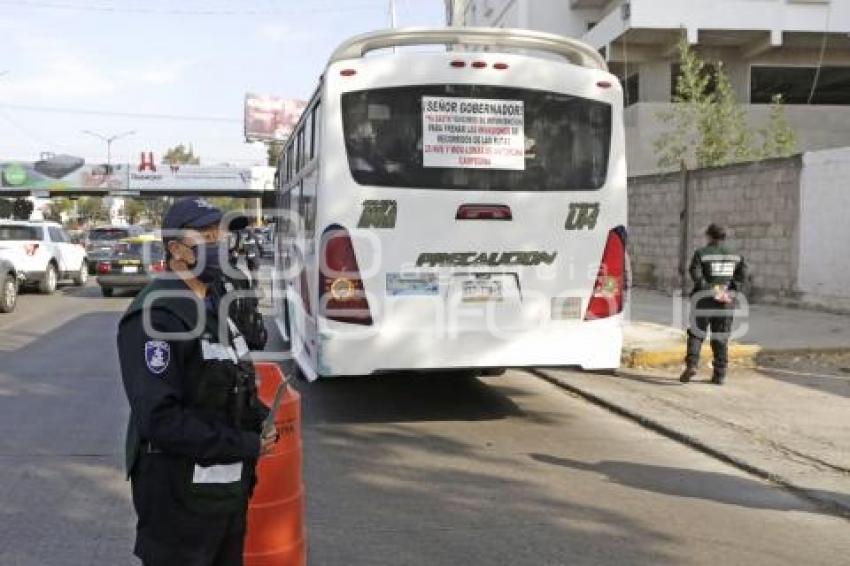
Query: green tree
91, 209
155, 208
778, 139
181, 155
56, 209
134, 210
22, 209
707, 127
691, 100
5, 208
273, 151
723, 136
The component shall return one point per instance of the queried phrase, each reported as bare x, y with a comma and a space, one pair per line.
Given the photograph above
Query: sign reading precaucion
473, 133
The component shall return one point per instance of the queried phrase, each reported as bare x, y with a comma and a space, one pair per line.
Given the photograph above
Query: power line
181, 117
40, 4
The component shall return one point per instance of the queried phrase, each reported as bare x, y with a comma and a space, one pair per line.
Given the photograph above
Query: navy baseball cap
197, 213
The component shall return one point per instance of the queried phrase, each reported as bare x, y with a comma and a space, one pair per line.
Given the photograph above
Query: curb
784, 352
743, 354
829, 505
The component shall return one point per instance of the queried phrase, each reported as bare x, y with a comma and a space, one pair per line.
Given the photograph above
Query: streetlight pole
109, 140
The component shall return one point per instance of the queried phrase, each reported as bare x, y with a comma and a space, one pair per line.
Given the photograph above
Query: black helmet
716, 232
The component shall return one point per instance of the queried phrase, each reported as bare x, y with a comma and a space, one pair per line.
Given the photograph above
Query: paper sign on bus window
473, 133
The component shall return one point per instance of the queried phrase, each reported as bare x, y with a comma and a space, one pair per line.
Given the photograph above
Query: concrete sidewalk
654, 335
789, 431
789, 423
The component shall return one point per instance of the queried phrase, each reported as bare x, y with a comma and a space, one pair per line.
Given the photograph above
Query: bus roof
572, 50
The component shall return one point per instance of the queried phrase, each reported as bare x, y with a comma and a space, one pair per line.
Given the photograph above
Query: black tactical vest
218, 385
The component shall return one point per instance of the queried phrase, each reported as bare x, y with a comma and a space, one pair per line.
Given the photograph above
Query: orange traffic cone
275, 535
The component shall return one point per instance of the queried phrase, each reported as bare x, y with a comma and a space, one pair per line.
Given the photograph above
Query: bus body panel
437, 329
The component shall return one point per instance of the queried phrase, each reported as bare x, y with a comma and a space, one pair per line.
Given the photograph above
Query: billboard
270, 118
191, 178
150, 176
62, 172
55, 174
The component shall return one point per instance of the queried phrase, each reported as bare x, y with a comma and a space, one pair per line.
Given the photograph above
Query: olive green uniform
715, 270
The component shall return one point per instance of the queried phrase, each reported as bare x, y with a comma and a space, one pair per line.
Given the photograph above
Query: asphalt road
400, 470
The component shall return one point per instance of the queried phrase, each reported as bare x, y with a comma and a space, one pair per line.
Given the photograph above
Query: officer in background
194, 434
243, 301
717, 274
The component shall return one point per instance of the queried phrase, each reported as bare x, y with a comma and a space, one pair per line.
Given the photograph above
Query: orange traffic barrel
275, 535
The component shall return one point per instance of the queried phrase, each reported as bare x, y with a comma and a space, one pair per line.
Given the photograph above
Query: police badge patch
157, 356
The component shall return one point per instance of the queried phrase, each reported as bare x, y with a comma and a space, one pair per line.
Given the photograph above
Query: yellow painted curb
673, 355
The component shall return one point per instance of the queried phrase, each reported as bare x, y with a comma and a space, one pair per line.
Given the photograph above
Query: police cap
197, 213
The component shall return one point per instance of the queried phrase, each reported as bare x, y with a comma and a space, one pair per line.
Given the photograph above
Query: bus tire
493, 372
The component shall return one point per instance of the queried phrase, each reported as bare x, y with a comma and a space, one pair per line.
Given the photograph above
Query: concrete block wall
759, 203
655, 203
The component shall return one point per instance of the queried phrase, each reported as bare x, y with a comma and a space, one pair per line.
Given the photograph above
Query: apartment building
797, 48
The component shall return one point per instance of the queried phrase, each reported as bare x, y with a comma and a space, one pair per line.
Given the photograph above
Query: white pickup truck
43, 253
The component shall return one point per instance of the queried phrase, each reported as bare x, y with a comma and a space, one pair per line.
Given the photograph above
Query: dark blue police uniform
194, 432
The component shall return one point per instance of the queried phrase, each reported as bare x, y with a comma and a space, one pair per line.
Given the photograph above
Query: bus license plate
481, 290
131, 269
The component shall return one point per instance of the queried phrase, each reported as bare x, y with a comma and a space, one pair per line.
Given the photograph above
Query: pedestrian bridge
68, 176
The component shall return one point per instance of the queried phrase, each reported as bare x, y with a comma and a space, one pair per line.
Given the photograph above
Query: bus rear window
473, 137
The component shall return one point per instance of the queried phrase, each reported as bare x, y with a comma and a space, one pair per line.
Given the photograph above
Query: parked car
99, 241
132, 265
9, 283
43, 253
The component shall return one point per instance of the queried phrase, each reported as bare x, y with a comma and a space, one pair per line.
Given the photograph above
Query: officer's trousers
169, 534
720, 324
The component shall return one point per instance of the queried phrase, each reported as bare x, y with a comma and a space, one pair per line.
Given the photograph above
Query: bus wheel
493, 372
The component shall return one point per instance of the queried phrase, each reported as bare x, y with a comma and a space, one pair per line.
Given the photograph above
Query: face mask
212, 262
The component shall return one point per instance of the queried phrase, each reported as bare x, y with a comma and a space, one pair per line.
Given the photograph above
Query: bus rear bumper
591, 345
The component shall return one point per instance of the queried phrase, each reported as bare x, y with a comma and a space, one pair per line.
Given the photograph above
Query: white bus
461, 208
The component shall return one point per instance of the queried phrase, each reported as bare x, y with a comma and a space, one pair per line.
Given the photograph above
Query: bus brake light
479, 65
484, 212
341, 293
458, 64
608, 290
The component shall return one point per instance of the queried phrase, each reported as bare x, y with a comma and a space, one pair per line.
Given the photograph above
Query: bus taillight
609, 288
341, 293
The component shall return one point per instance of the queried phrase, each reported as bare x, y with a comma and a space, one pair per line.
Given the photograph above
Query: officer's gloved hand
267, 442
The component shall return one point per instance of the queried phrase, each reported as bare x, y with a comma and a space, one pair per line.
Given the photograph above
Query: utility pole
393, 21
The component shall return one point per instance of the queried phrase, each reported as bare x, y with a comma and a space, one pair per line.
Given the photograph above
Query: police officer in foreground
194, 434
718, 274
